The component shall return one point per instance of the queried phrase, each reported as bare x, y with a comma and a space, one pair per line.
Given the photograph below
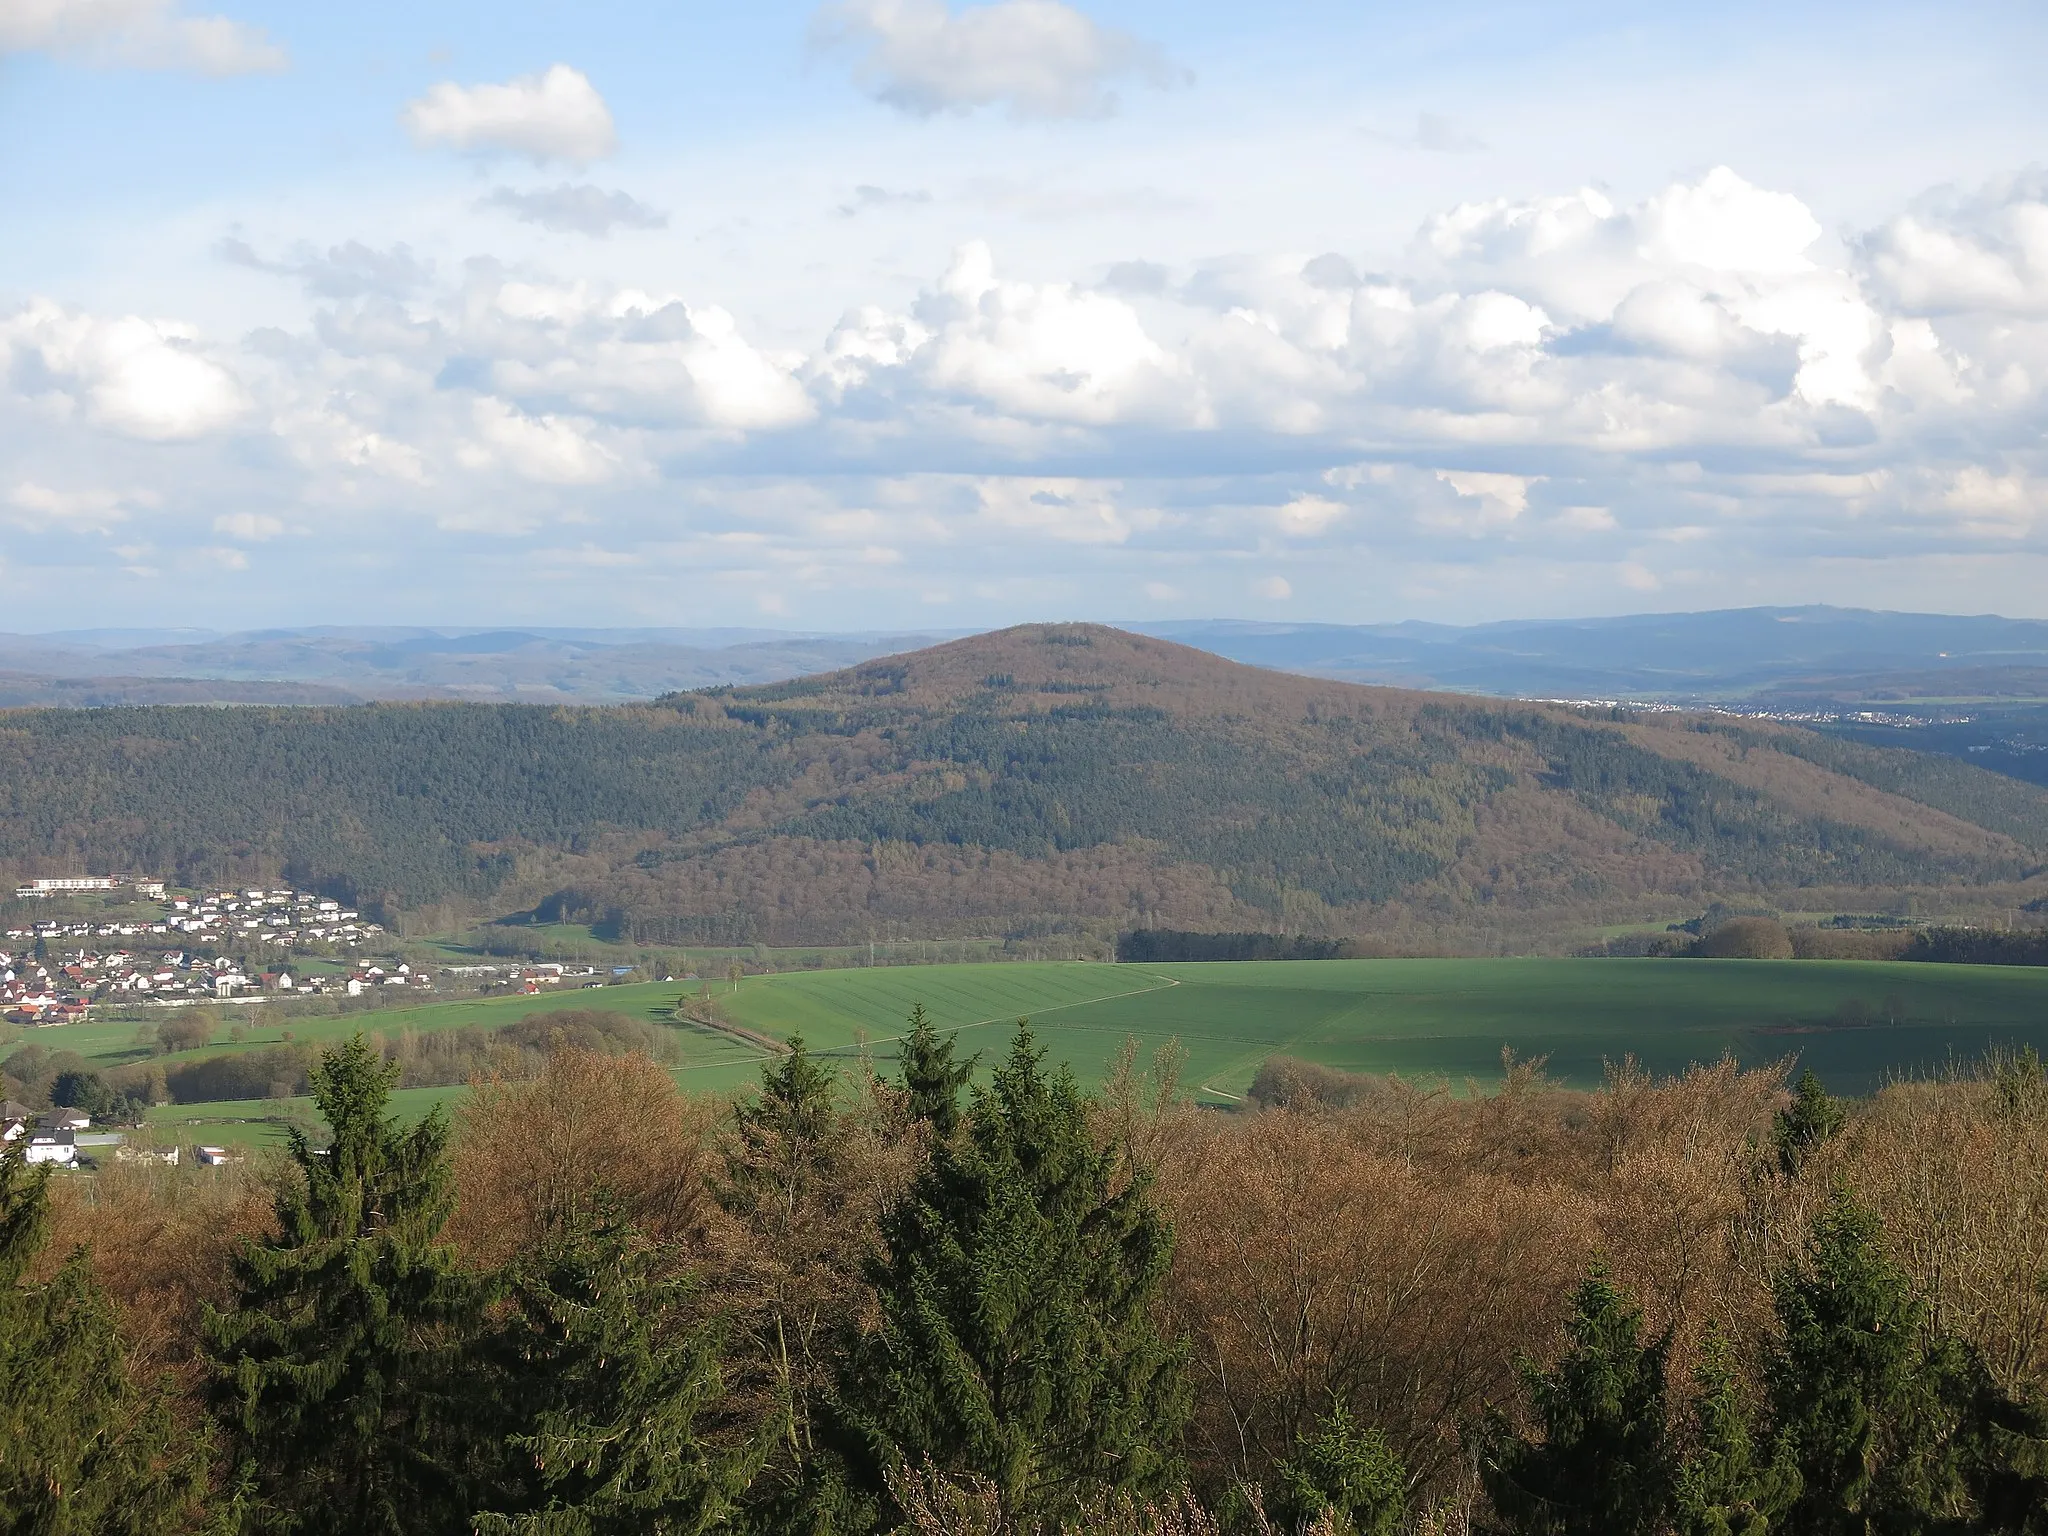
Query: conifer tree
83, 1447
1867, 1409
613, 1395
930, 1075
786, 1145
1602, 1465
1015, 1291
1812, 1119
334, 1372
1350, 1475
1728, 1485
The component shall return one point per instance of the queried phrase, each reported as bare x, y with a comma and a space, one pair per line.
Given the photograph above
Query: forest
963, 1298
1045, 779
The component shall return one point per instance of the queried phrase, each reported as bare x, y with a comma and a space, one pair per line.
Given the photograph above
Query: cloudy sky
918, 312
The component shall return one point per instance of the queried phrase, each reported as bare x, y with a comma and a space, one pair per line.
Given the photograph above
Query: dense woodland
857, 1303
1053, 778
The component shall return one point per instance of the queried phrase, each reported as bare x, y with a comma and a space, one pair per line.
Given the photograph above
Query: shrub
1746, 938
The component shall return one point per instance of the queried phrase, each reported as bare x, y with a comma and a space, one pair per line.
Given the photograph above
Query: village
202, 948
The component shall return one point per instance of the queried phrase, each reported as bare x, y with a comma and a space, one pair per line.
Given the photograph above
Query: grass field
1855, 1023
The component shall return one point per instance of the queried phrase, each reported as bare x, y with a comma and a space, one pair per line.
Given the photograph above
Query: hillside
1040, 779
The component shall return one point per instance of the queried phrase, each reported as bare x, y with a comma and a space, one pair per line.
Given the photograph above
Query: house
65, 1119
59, 1147
217, 1157
277, 981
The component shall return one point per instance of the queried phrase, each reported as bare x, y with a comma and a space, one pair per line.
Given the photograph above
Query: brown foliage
159, 1241
1746, 938
531, 1156
1849, 944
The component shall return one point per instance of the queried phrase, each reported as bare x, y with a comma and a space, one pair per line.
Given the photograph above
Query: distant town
197, 949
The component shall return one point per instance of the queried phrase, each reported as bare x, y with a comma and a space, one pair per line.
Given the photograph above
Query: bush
1746, 938
1284, 1082
1848, 944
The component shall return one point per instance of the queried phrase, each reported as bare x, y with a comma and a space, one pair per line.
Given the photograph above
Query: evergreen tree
930, 1075
335, 1372
1348, 1474
1870, 1413
1602, 1466
83, 1448
1015, 1292
1727, 1486
613, 1394
1803, 1126
786, 1145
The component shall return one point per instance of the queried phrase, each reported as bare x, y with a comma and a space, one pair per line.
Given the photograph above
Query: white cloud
1307, 516
1039, 58
581, 210
139, 34
40, 506
556, 115
1984, 254
1274, 589
248, 527
141, 378
1065, 510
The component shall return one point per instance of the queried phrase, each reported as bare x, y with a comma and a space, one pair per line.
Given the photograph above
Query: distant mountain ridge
1044, 779
1761, 656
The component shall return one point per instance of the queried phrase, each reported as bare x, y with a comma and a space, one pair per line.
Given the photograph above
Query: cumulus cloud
571, 209
148, 379
1610, 386
555, 115
137, 34
1039, 58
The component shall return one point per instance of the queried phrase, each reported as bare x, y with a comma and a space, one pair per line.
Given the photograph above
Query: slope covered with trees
1038, 778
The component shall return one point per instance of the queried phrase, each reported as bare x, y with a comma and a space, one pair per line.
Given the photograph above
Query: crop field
1856, 1023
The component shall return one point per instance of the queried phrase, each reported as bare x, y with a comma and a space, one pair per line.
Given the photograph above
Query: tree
334, 1375
1869, 1410
1352, 1476
84, 1448
1812, 1119
1602, 1466
1726, 1486
930, 1075
612, 1393
1015, 1290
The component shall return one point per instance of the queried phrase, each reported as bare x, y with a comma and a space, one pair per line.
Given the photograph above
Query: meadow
1855, 1023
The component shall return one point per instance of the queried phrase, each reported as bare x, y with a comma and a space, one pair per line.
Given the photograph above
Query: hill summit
1042, 779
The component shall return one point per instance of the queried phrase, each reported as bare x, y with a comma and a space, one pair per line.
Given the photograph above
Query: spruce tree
335, 1372
612, 1393
1812, 1119
1868, 1410
84, 1448
1015, 1292
1602, 1464
1728, 1484
931, 1077
787, 1144
1349, 1475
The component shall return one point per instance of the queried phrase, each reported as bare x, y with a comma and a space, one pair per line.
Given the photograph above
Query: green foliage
1350, 1475
1727, 1485
1015, 1290
1601, 1464
612, 1392
1869, 1410
786, 1149
931, 1077
84, 1449
334, 1372
1811, 1120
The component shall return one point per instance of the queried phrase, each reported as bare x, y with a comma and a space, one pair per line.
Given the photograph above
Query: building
59, 1147
216, 1157
57, 885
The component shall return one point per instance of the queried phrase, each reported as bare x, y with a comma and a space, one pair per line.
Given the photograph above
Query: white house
66, 1119
216, 1157
58, 1147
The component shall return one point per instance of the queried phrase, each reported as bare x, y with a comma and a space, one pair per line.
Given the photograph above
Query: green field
1856, 1023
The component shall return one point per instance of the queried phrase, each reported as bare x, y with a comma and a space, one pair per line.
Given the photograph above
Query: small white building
216, 1157
59, 1147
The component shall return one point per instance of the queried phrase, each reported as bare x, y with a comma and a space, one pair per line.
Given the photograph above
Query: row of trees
1008, 1357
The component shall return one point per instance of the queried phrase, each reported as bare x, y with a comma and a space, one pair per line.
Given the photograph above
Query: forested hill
1041, 777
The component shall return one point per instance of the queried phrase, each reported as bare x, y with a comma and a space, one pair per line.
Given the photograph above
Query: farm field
1856, 1023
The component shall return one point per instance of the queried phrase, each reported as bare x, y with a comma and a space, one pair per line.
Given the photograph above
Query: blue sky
890, 311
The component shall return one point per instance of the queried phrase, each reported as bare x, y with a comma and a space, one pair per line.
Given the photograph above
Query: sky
881, 313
